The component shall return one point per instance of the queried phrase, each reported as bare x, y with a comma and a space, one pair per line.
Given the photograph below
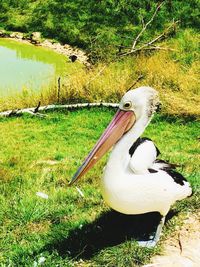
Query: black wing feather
169, 168
138, 142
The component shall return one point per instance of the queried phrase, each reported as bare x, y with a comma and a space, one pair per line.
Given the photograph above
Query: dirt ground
183, 248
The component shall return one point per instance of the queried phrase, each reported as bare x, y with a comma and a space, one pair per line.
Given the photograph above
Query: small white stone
41, 260
42, 195
80, 226
80, 192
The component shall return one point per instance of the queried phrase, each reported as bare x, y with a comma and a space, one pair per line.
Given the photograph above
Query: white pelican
134, 181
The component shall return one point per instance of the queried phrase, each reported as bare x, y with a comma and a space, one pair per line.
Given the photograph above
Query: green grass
68, 230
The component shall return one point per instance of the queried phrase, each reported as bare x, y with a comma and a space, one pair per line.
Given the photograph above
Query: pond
28, 67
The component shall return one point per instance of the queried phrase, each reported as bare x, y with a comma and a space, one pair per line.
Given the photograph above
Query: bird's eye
127, 105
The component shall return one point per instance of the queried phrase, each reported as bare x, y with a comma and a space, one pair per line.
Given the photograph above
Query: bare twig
59, 89
164, 33
144, 48
98, 74
145, 26
37, 108
180, 244
160, 48
135, 82
149, 45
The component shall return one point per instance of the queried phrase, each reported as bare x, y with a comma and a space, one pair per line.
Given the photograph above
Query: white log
31, 111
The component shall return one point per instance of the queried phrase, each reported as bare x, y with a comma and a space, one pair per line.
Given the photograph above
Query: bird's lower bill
120, 124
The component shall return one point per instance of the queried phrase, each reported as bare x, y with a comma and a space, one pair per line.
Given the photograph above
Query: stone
36, 37
47, 43
17, 35
2, 33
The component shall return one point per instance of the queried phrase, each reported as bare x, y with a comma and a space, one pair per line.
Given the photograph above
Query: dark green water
28, 67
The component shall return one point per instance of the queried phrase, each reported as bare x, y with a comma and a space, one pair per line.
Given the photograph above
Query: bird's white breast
129, 193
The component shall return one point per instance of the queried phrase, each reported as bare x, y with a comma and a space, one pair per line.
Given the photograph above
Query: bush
98, 26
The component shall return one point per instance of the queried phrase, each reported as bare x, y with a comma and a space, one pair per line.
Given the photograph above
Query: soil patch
183, 248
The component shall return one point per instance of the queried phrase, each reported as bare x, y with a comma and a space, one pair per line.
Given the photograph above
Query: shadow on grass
110, 229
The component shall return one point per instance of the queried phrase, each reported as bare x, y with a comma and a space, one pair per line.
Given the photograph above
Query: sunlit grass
41, 155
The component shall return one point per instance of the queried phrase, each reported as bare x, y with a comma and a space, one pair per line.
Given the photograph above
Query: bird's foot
148, 243
153, 239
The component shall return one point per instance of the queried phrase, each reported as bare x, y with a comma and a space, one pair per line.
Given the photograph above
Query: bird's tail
186, 191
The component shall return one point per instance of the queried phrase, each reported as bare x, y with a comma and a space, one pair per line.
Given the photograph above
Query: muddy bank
35, 38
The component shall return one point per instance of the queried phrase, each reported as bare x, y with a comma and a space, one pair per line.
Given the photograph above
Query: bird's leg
152, 242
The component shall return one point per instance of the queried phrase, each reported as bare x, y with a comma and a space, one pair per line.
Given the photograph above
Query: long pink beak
120, 124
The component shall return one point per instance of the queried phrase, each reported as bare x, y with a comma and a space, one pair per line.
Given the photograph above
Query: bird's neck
123, 145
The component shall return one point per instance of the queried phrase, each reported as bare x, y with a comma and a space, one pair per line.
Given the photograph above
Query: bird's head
143, 101
135, 104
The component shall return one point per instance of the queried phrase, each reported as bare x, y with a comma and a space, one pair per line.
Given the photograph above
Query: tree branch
145, 26
37, 108
148, 45
135, 82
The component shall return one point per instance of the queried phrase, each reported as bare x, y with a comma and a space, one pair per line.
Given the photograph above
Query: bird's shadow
110, 229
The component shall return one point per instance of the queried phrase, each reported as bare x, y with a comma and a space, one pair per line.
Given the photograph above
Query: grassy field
41, 155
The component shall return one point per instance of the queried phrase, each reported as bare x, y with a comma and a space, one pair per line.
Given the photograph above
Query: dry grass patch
38, 227
174, 74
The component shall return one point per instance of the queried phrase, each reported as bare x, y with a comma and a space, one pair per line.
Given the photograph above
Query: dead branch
37, 108
31, 111
180, 243
164, 33
135, 82
98, 74
19, 112
145, 26
160, 48
144, 48
149, 45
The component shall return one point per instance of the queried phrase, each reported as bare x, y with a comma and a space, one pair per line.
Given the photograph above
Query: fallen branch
149, 48
35, 111
163, 34
149, 45
160, 48
145, 26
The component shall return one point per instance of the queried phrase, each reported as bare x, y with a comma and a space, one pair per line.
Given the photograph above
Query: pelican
134, 180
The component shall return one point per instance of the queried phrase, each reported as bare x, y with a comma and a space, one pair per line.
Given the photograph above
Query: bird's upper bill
120, 124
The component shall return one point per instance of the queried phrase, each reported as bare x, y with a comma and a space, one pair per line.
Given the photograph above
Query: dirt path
183, 248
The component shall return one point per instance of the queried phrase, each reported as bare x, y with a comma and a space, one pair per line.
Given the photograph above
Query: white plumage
140, 162
134, 193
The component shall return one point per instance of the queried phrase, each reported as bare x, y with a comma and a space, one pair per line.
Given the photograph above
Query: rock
36, 37
17, 35
66, 46
47, 43
57, 46
3, 33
